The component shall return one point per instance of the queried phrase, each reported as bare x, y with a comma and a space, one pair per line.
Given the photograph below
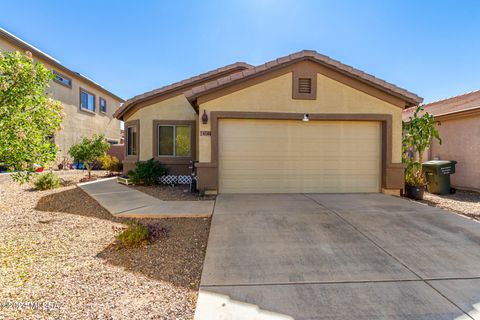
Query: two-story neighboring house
88, 106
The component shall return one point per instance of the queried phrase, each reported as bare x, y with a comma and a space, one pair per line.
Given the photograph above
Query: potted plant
418, 133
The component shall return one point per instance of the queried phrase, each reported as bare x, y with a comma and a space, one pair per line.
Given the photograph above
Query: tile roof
463, 102
205, 88
54, 62
177, 86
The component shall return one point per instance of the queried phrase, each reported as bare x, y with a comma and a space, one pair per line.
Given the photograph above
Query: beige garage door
277, 156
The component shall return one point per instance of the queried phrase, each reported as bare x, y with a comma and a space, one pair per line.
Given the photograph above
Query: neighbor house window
174, 140
132, 141
61, 79
87, 100
103, 105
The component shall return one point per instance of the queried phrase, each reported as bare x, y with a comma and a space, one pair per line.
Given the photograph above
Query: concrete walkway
349, 256
122, 201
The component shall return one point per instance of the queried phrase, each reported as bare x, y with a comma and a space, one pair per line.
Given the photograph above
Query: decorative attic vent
305, 85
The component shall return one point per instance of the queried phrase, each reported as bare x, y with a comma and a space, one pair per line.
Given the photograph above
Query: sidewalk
122, 201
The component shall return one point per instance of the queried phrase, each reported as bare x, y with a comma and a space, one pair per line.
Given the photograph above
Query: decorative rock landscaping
58, 253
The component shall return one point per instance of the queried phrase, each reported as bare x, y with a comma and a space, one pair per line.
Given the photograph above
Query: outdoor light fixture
204, 117
305, 117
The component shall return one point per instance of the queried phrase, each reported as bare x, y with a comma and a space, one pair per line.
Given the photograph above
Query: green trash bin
438, 175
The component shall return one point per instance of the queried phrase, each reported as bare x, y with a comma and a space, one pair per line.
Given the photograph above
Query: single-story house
298, 124
459, 129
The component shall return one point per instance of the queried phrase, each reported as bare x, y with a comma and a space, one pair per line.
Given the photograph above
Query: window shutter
304, 85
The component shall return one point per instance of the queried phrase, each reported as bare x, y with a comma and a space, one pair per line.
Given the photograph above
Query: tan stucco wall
175, 108
461, 142
77, 123
275, 95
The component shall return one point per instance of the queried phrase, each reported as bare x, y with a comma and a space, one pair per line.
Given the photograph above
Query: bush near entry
147, 173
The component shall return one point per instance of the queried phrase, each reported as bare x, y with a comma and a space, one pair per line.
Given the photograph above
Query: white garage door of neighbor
279, 156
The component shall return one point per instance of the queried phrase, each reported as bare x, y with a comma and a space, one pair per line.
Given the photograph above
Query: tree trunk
420, 160
89, 169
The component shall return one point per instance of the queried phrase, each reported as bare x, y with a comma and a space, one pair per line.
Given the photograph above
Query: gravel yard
464, 202
169, 193
58, 252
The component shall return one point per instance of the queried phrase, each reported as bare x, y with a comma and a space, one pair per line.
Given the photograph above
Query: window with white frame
87, 100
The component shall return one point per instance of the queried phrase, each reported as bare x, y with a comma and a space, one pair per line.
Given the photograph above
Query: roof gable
230, 80
180, 86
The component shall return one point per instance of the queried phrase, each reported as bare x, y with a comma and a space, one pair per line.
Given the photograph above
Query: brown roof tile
450, 105
178, 86
304, 55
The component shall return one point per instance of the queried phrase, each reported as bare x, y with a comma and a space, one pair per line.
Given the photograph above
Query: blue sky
429, 47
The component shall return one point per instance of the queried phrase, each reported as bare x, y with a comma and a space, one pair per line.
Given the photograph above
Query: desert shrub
110, 163
135, 235
147, 172
47, 181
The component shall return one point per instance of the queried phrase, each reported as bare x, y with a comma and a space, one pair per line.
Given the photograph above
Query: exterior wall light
306, 117
204, 117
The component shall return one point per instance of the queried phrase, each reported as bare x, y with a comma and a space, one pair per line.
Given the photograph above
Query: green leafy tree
418, 134
28, 116
89, 150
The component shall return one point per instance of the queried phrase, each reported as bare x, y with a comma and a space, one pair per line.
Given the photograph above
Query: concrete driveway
349, 256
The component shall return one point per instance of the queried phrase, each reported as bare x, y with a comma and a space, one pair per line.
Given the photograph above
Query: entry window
131, 141
87, 101
174, 141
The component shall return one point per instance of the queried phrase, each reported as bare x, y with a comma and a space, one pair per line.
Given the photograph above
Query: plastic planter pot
124, 180
415, 192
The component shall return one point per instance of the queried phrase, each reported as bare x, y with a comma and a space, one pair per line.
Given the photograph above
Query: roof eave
180, 89
412, 99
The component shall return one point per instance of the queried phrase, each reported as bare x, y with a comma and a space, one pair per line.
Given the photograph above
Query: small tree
28, 116
418, 134
89, 150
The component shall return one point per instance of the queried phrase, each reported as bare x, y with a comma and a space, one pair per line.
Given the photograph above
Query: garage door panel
246, 165
265, 184
340, 166
291, 184
302, 149
271, 156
